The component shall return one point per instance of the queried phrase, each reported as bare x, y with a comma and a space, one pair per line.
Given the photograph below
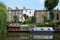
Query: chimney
9, 8
24, 8
17, 8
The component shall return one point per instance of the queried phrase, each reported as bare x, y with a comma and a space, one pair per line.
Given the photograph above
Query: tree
33, 19
50, 5
3, 18
45, 19
52, 16
16, 19
28, 21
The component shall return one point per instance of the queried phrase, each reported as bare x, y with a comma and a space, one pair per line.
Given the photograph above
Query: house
28, 12
15, 12
41, 13
19, 13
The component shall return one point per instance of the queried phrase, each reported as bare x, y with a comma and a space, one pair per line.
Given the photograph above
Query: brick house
41, 13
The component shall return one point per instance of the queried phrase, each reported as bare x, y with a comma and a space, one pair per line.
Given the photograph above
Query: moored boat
42, 29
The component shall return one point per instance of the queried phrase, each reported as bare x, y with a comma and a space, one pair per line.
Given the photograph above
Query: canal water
30, 36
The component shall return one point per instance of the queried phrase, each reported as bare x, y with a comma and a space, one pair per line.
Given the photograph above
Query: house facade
15, 12
29, 12
19, 13
41, 13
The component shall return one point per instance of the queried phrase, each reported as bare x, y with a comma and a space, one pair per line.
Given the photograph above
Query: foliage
28, 21
16, 19
50, 4
3, 17
58, 23
50, 24
40, 25
45, 19
52, 16
33, 19
9, 22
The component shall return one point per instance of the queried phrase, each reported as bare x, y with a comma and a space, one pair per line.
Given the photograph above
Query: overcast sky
29, 4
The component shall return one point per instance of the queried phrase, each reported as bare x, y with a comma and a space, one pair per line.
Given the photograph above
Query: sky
29, 4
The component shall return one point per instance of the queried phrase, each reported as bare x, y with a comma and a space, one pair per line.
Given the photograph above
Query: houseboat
17, 27
14, 27
42, 29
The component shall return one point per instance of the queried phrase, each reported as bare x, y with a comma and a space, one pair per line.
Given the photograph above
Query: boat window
42, 29
48, 28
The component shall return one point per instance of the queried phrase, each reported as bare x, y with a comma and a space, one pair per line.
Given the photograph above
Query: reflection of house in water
18, 36
42, 36
38, 36
28, 36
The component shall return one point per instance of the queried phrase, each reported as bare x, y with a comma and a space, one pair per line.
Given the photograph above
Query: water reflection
3, 36
29, 36
41, 36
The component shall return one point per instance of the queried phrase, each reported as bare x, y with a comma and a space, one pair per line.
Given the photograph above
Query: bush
28, 21
40, 25
50, 24
58, 23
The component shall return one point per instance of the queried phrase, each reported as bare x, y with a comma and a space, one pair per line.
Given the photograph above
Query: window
37, 15
13, 13
20, 15
9, 11
25, 10
42, 29
48, 28
30, 12
9, 15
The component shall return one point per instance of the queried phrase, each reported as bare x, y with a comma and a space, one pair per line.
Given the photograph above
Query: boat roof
43, 27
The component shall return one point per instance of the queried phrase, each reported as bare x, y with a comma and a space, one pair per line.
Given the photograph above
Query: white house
29, 12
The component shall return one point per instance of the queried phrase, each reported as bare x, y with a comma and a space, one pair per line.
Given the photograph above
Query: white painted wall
30, 12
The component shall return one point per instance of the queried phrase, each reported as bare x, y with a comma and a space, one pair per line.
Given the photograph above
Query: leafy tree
16, 19
45, 19
50, 5
52, 16
33, 19
27, 21
3, 17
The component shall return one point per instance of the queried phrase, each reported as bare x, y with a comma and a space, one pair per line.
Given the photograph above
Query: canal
29, 36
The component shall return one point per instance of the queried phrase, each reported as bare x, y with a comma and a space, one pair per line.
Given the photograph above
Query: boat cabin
42, 28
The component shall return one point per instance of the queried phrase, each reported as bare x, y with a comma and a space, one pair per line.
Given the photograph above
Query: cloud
41, 1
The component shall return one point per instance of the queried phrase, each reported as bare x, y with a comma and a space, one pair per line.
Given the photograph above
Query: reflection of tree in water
18, 36
3, 36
